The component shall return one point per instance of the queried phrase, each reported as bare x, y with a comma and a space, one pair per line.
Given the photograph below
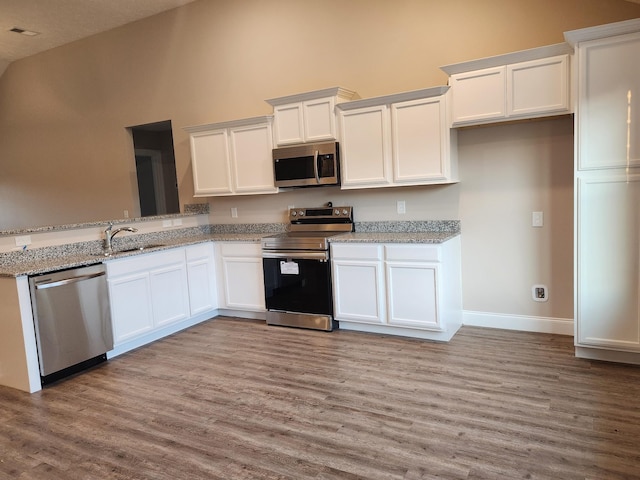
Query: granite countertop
394, 237
45, 260
48, 259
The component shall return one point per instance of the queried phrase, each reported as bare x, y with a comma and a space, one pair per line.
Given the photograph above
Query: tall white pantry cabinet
607, 191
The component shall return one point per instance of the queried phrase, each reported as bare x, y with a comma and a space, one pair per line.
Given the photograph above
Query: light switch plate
537, 219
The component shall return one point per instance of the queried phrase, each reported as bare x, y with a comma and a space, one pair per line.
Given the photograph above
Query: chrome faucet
109, 233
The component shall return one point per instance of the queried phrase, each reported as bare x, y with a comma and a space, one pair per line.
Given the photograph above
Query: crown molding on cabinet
574, 37
229, 124
394, 98
343, 94
508, 58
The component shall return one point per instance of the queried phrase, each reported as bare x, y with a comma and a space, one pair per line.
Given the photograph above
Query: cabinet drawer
356, 251
201, 250
146, 261
241, 249
418, 253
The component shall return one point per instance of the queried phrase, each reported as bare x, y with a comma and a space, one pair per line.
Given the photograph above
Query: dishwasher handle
67, 281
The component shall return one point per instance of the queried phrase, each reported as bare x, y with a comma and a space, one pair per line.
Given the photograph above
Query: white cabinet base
157, 334
608, 355
443, 336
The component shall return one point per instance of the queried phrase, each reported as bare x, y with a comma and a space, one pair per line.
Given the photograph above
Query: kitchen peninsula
214, 269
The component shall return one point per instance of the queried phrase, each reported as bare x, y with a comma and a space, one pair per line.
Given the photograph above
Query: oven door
298, 284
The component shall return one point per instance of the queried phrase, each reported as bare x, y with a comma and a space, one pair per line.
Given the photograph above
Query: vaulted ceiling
63, 21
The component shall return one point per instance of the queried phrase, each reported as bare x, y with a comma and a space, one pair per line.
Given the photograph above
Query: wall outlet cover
540, 293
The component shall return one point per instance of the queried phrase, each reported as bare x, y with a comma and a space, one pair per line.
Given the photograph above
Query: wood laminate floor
235, 399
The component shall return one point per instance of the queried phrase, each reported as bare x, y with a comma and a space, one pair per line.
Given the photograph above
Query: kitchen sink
138, 249
130, 250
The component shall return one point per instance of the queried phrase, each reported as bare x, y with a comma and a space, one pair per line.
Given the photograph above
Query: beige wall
65, 155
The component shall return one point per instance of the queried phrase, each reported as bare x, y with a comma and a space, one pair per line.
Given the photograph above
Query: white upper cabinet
210, 161
527, 84
307, 117
232, 158
401, 139
538, 87
479, 95
609, 102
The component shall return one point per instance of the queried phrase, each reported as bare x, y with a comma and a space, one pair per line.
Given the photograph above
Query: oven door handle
315, 166
290, 255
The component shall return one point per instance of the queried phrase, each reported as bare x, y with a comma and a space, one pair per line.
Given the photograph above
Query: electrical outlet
126, 213
23, 240
401, 207
234, 212
540, 293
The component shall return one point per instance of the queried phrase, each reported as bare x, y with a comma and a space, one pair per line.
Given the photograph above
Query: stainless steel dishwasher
72, 320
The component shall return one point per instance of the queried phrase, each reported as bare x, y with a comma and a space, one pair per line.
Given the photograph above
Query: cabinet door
419, 147
319, 120
479, 95
609, 103
608, 261
210, 162
251, 159
201, 278
365, 147
538, 87
243, 283
358, 289
289, 128
169, 296
130, 298
412, 290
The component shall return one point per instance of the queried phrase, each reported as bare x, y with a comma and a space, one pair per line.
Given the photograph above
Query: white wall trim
560, 326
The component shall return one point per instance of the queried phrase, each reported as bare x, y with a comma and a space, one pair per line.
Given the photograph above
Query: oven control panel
327, 214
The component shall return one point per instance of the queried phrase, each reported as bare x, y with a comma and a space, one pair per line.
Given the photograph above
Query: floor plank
236, 399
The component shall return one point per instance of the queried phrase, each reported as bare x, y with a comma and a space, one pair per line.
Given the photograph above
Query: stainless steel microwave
307, 165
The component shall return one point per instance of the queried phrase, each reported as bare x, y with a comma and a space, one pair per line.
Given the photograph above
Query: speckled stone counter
426, 231
394, 237
49, 259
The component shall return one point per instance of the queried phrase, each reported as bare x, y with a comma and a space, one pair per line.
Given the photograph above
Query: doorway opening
155, 168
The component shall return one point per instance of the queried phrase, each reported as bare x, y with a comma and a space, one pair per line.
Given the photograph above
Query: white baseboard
560, 326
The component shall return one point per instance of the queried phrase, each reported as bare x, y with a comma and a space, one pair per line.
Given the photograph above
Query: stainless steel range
297, 268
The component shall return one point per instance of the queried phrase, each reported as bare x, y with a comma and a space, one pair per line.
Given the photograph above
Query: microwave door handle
315, 166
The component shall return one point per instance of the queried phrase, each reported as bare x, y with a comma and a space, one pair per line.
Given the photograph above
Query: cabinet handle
315, 166
67, 281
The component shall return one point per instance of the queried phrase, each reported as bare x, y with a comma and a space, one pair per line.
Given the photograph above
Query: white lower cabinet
607, 306
407, 307
358, 283
201, 276
169, 292
130, 296
404, 289
242, 280
154, 293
